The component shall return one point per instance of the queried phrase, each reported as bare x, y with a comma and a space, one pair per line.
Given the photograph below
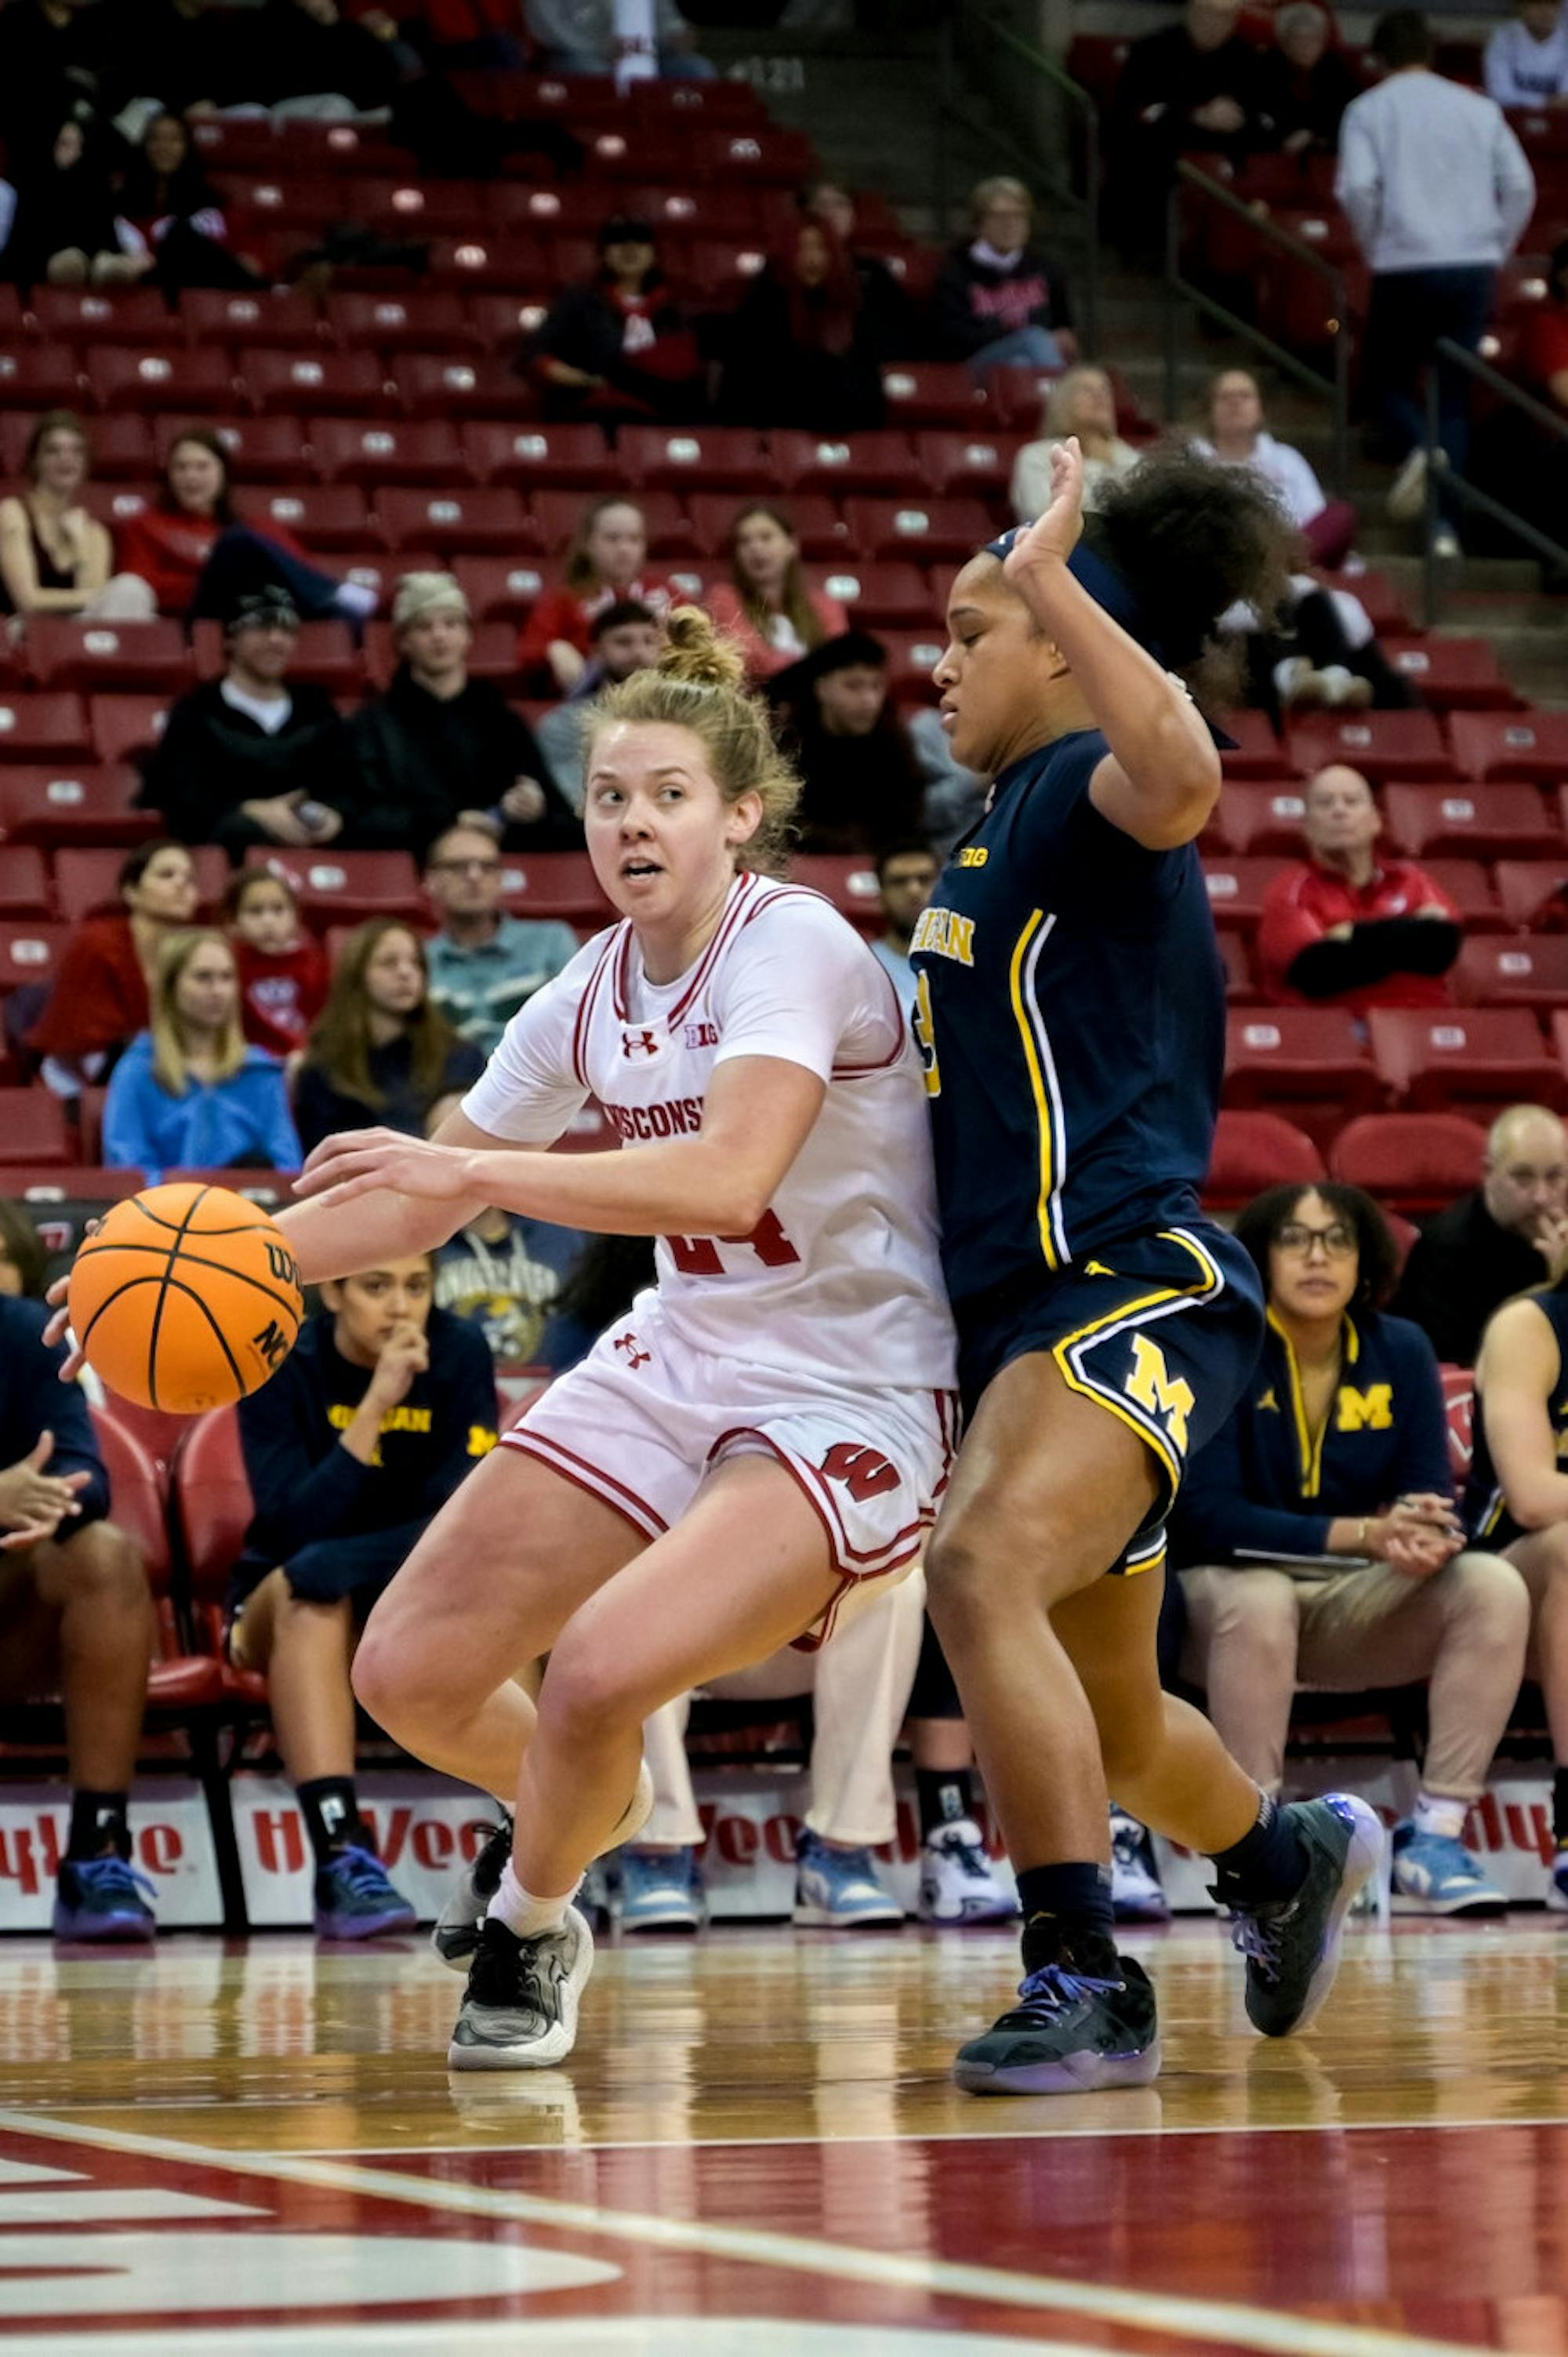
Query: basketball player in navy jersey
1070, 1010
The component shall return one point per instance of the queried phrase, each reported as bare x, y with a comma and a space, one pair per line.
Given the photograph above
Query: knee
1259, 1612
588, 1696
106, 1574
983, 1567
1491, 1593
384, 1675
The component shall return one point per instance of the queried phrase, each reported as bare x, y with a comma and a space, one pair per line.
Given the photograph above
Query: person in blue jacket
381, 1407
1319, 1543
190, 1092
75, 1620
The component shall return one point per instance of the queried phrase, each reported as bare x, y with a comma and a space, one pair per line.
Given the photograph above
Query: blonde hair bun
700, 654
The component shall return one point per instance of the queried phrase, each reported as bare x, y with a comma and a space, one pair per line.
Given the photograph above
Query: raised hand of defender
1052, 537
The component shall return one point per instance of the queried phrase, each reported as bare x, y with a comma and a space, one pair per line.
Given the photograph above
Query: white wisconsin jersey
841, 1276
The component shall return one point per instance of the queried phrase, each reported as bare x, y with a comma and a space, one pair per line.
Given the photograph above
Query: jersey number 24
700, 1255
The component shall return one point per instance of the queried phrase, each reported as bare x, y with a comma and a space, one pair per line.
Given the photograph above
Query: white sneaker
1343, 689
1407, 492
958, 1884
1138, 1895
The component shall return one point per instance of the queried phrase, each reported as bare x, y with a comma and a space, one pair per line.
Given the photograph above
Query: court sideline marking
1279, 2332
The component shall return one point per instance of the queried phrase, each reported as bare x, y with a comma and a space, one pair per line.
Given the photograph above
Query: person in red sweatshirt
198, 557
1345, 927
283, 968
606, 564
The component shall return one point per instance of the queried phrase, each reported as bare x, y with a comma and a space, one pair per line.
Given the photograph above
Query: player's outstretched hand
358, 1161
1052, 537
59, 1328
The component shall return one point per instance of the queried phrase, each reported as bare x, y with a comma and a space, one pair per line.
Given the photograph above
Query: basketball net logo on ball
187, 1298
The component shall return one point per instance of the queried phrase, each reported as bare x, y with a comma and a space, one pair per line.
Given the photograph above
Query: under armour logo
639, 1043
636, 1355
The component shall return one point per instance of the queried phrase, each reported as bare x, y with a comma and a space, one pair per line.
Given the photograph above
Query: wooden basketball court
257, 2147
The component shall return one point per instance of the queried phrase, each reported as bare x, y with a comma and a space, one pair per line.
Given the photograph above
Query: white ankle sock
1443, 1817
521, 1913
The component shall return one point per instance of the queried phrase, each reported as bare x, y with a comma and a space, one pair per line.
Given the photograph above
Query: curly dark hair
1258, 1227
1191, 537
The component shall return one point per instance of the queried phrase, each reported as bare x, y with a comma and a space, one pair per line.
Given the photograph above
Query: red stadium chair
24, 884
39, 380
456, 385
509, 264
1500, 823
32, 1127
43, 728
1422, 1162
58, 806
1236, 957
1311, 1057
1459, 1402
555, 884
348, 887
212, 1510
62, 652
124, 725
40, 1184
535, 456
1528, 890
932, 392
397, 323
31, 953
1236, 888
1263, 821
1257, 753
87, 882
764, 155
912, 656
69, 315
138, 1490
271, 202
972, 465
497, 589
880, 596
263, 449
1453, 675
326, 383
469, 521
270, 317
1382, 744
1440, 1060
927, 530
386, 450
324, 515
499, 322
1469, 886
1018, 395
1253, 1150
1514, 970
121, 446
122, 378
418, 208
850, 884
818, 527
1532, 746
881, 463
1386, 609
712, 458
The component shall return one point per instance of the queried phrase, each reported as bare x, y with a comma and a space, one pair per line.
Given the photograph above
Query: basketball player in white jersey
762, 1442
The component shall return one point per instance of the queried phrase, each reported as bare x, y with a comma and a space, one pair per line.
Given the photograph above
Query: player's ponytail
699, 683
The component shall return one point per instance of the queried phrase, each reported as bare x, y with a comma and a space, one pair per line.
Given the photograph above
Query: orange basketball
187, 1298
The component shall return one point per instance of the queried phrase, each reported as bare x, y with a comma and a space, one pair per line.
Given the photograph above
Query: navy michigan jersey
1485, 1513
1070, 1010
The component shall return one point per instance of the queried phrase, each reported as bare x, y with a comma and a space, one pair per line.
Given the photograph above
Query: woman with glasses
1322, 1544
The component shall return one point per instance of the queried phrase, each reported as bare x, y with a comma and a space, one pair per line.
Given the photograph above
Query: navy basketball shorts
1161, 1330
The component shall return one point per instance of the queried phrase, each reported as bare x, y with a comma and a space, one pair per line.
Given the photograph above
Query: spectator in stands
173, 208
55, 56
190, 1092
1235, 432
866, 776
23, 1263
379, 1052
503, 1271
1083, 402
484, 964
801, 351
606, 564
1195, 86
308, 58
620, 345
1526, 61
199, 558
907, 876
248, 758
889, 328
1437, 190
1318, 1543
60, 220
623, 637
75, 1620
439, 742
1543, 360
1507, 1236
1000, 300
99, 1002
1345, 927
55, 557
282, 969
767, 604
860, 1683
579, 37
1305, 82
382, 1406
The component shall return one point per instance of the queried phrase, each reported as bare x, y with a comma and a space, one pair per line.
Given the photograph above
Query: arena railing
1440, 475
1179, 290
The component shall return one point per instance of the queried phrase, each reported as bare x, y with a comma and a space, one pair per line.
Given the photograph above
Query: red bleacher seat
32, 1127
137, 1489
31, 953
87, 882
1532, 745
212, 1510
537, 455
347, 886
1493, 824
912, 656
24, 883
460, 385
497, 588
272, 316
499, 322
83, 317
304, 202
1311, 1057
1257, 753
1236, 957
38, 378
1459, 1402
263, 449
972, 465
386, 450
931, 393
41, 1184
1264, 820
121, 446
1514, 970
120, 378
327, 383
1420, 1161
556, 884
64, 653
323, 655
338, 148
1453, 675
417, 207
711, 456
324, 515
453, 520
878, 596
436, 322
511, 264
59, 806
1438, 1058
849, 883
928, 531
883, 462
1527, 887
42, 727
1017, 395
1253, 1150
124, 725
1470, 885
818, 525
1386, 609
718, 269
1236, 888
1383, 744
765, 153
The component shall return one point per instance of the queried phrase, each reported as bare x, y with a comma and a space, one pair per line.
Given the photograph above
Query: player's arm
337, 1239
758, 1114
1161, 779
1515, 1376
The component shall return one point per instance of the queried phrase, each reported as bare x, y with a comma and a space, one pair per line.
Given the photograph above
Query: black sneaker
1292, 1945
101, 1898
1068, 2037
519, 2012
457, 1932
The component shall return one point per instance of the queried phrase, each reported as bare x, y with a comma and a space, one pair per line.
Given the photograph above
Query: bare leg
1543, 1557
305, 1648
95, 1590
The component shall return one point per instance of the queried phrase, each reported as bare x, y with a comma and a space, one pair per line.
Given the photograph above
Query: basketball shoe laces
112, 1877
1258, 1936
520, 1980
969, 1856
1051, 1990
362, 1870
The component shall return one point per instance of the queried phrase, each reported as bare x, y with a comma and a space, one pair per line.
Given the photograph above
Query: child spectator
484, 964
99, 1002
283, 970
620, 345
190, 1092
1526, 61
56, 558
605, 565
999, 300
624, 638
503, 1271
381, 1407
179, 214
800, 349
1345, 929
197, 557
766, 604
1083, 402
379, 1052
61, 223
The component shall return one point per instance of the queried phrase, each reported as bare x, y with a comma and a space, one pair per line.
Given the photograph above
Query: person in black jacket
247, 758
1318, 1540
862, 784
379, 1052
1304, 83
620, 345
360, 1438
800, 348
439, 743
75, 1619
170, 200
1508, 1236
65, 227
999, 300
1193, 87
